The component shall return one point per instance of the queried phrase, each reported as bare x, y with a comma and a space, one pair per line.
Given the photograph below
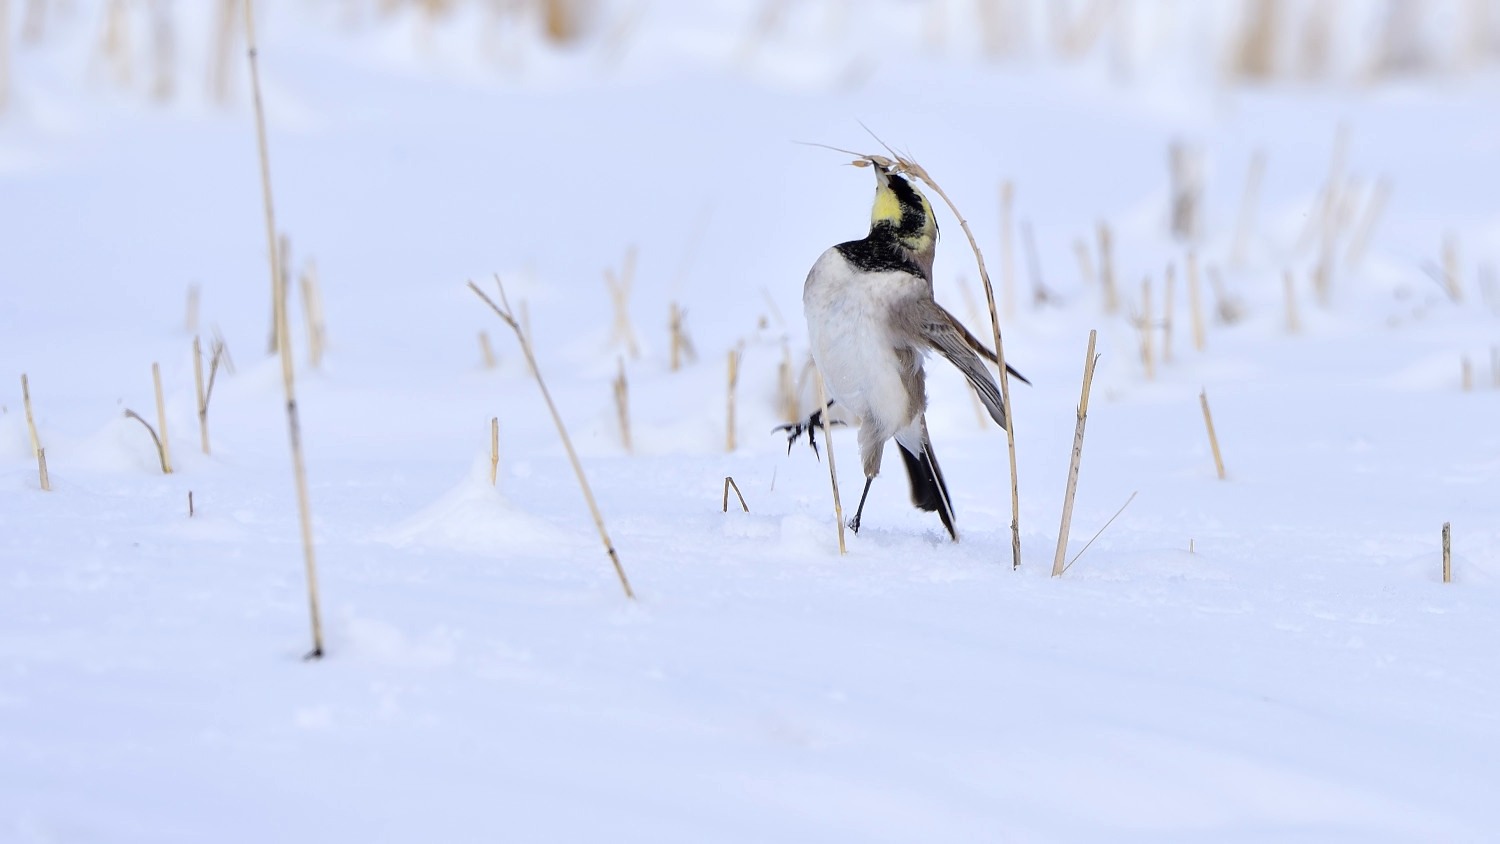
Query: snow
1269, 657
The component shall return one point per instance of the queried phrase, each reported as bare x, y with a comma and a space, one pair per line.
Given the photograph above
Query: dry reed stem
733, 382
1325, 206
1186, 168
1039, 294
494, 449
1143, 324
312, 309
562, 431
161, 420
833, 472
786, 382
1101, 531
622, 407
199, 395
283, 249
1007, 249
1468, 374
191, 511
190, 319
1367, 222
486, 353
1083, 411
288, 373
222, 67
619, 293
1213, 439
1248, 203
36, 443
1452, 274
114, 44
1085, 263
729, 482
1447, 552
163, 51
1166, 322
674, 326
161, 454
1195, 302
916, 170
1107, 271
1293, 326
41, 470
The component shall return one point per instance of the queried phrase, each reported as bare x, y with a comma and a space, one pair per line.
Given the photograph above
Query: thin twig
161, 455
562, 431
283, 336
161, 421
494, 448
833, 472
36, 443
1100, 532
734, 380
41, 468
1447, 552
622, 407
728, 483
1083, 411
1213, 439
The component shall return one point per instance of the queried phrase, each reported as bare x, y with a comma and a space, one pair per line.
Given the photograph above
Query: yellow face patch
887, 206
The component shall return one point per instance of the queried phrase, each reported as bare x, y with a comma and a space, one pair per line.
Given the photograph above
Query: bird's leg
807, 426
854, 522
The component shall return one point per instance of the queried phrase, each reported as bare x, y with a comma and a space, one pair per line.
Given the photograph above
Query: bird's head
901, 208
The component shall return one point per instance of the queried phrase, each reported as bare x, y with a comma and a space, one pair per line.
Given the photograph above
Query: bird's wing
983, 350
938, 329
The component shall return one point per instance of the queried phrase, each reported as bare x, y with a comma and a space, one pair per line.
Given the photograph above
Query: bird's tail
928, 490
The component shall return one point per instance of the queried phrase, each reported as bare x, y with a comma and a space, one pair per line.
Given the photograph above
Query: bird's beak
882, 178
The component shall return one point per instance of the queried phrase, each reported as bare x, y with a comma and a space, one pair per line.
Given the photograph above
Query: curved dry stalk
161, 453
729, 482
1072, 489
917, 171
562, 431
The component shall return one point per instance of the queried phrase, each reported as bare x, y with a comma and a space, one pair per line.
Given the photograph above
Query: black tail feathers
928, 490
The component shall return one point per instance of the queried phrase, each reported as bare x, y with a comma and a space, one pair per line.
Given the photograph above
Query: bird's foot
854, 523
807, 426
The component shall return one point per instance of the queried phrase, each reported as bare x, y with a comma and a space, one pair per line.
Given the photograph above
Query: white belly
848, 325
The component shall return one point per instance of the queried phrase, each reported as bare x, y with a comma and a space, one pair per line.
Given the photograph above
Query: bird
871, 320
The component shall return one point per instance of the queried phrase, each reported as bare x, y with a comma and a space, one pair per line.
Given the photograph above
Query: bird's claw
797, 429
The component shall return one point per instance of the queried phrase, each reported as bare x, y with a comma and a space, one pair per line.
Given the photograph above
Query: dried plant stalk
1293, 326
562, 431
494, 449
221, 70
200, 394
1143, 324
622, 407
163, 52
1007, 249
1367, 223
41, 469
161, 420
1166, 322
191, 511
1186, 169
1447, 552
190, 319
1213, 439
1195, 302
728, 483
161, 454
486, 353
1468, 374
833, 472
1083, 411
1452, 278
1248, 204
1085, 263
674, 325
1101, 530
1107, 271
283, 259
36, 443
787, 383
619, 292
734, 380
288, 373
312, 309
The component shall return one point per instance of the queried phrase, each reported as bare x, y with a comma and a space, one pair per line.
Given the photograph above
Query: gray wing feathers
936, 328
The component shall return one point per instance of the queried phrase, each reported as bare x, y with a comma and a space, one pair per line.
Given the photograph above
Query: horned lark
871, 318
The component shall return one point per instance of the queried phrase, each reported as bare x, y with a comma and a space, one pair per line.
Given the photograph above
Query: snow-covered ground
1269, 657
